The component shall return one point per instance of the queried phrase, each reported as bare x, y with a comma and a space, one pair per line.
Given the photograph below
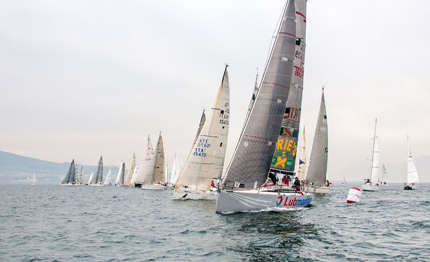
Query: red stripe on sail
300, 14
285, 33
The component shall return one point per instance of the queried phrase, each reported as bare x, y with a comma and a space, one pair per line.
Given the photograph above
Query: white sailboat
252, 159
412, 175
34, 180
154, 179
120, 177
108, 178
206, 160
130, 172
372, 184
302, 159
344, 180
316, 178
80, 177
91, 177
146, 168
70, 178
97, 179
384, 180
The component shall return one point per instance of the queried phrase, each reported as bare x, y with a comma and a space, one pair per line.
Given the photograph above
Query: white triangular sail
375, 159
34, 180
302, 158
108, 178
207, 158
317, 172
384, 175
145, 174
412, 176
98, 175
91, 177
120, 177
127, 179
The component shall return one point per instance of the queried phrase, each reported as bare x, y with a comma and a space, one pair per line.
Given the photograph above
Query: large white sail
120, 177
91, 177
284, 158
146, 167
130, 171
374, 179
108, 178
207, 158
317, 172
159, 171
254, 153
412, 176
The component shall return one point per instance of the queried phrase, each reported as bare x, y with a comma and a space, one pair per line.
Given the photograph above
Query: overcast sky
80, 79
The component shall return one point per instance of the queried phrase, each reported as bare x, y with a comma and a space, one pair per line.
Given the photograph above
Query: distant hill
15, 169
396, 172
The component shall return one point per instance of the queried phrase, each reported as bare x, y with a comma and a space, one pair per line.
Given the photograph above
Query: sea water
55, 223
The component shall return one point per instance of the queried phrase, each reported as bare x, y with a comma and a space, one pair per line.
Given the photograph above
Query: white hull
69, 185
317, 189
95, 184
154, 187
369, 187
179, 194
253, 200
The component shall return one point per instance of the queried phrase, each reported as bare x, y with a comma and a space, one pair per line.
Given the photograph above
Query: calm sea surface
55, 223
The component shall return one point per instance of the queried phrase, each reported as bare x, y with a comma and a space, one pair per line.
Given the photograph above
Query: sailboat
344, 180
97, 179
130, 172
384, 179
146, 168
80, 177
154, 178
108, 178
91, 178
412, 175
120, 177
70, 178
34, 180
206, 160
250, 165
372, 183
316, 178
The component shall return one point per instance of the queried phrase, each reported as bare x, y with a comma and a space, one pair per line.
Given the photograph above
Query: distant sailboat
80, 177
302, 158
108, 178
372, 183
146, 167
97, 179
252, 159
91, 178
412, 175
120, 177
153, 179
70, 178
316, 178
206, 161
344, 180
34, 180
384, 180
130, 171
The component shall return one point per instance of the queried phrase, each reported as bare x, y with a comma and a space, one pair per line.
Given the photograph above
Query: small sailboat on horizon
412, 173
97, 178
70, 178
34, 180
154, 178
108, 178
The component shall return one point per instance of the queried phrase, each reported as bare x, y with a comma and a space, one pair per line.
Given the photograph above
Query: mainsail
70, 177
302, 158
375, 158
98, 176
159, 171
284, 158
108, 178
208, 153
130, 171
253, 156
80, 178
120, 177
146, 167
412, 176
384, 174
91, 177
317, 172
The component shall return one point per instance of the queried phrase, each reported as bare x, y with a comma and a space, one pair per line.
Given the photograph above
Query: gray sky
84, 78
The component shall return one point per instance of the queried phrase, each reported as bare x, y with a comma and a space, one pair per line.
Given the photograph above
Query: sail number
200, 149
